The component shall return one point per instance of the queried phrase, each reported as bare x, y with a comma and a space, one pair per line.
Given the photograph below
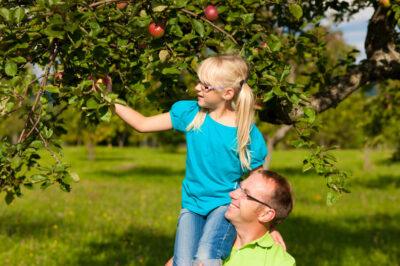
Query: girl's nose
198, 87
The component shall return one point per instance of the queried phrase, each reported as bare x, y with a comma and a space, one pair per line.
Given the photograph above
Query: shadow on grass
373, 240
321, 243
22, 226
381, 182
387, 161
137, 246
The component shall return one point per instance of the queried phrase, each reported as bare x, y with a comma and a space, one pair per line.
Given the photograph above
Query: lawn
124, 212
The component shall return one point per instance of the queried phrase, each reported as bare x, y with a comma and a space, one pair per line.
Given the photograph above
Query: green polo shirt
261, 252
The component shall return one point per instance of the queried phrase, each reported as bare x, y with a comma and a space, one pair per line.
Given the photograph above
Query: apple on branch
211, 12
122, 5
384, 3
156, 30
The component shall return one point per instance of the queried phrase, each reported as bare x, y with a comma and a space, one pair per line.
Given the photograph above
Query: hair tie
243, 81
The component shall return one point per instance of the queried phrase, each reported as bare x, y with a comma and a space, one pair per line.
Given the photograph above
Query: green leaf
274, 43
296, 10
91, 104
307, 166
52, 89
11, 68
171, 71
75, 177
248, 18
19, 60
198, 27
159, 8
19, 14
48, 132
38, 178
331, 198
180, 3
176, 30
9, 197
298, 143
310, 114
277, 90
106, 117
5, 13
37, 144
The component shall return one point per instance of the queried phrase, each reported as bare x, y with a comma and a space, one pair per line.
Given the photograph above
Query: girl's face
212, 97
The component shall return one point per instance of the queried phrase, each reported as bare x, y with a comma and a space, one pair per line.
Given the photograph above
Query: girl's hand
277, 237
169, 262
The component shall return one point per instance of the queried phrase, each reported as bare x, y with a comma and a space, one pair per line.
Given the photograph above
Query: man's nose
234, 194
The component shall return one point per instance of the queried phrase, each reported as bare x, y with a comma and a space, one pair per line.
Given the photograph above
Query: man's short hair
281, 201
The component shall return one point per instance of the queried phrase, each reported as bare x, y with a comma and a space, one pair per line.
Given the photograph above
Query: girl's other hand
169, 262
277, 237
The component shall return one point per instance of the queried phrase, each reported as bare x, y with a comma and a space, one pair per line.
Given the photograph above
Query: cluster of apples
158, 30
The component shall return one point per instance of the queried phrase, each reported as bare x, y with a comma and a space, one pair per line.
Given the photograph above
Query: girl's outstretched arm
141, 123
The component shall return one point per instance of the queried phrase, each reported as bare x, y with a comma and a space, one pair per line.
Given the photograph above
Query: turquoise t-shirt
212, 163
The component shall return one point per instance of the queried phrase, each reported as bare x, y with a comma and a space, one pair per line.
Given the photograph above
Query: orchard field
124, 212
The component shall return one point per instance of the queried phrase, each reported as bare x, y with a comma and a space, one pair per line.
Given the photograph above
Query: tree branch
212, 24
383, 62
24, 136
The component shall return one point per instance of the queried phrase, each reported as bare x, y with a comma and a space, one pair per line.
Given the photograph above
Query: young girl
223, 143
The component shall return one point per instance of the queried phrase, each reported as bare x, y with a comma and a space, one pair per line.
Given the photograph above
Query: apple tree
147, 47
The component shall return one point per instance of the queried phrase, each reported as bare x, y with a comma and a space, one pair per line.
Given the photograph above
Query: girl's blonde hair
230, 71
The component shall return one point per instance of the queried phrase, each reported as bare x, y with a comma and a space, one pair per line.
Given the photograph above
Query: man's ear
266, 215
228, 94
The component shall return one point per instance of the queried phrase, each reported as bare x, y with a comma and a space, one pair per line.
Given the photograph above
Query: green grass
124, 212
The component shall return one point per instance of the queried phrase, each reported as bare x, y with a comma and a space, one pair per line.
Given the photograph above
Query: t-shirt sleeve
258, 148
182, 113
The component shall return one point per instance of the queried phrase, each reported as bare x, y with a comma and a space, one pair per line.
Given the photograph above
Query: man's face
243, 210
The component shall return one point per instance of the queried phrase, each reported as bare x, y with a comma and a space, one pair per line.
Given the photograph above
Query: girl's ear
228, 94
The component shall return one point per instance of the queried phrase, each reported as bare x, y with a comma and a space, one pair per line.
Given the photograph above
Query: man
259, 203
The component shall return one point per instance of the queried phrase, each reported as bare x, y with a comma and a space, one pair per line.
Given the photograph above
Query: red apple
211, 12
59, 75
263, 45
385, 3
121, 5
157, 31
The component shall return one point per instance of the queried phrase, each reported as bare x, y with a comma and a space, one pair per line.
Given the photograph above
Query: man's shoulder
278, 256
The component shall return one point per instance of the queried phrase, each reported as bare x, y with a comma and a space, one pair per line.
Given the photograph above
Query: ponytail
244, 119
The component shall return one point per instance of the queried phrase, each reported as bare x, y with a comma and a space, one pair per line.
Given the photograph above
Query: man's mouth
234, 205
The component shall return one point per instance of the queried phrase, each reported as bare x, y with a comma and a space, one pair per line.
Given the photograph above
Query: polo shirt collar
265, 241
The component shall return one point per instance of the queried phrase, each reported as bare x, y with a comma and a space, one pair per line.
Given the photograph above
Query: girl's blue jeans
203, 239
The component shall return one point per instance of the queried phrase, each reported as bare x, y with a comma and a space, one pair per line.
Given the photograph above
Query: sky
355, 30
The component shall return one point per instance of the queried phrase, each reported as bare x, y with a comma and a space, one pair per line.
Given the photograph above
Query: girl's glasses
207, 88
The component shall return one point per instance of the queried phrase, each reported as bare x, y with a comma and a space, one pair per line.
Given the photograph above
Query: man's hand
277, 237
